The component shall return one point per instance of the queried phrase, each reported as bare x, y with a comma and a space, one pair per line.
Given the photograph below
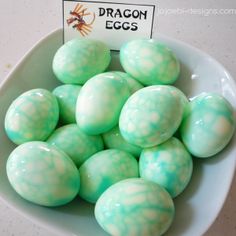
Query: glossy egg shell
151, 115
100, 101
80, 59
135, 207
67, 96
208, 126
168, 164
78, 145
32, 116
114, 139
43, 174
150, 62
103, 169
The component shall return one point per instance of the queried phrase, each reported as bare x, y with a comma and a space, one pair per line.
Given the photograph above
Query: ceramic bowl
196, 208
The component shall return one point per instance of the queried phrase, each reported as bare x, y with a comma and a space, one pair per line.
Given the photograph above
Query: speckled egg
79, 59
150, 62
135, 207
151, 115
100, 101
104, 169
78, 145
67, 96
43, 174
32, 116
168, 164
208, 125
114, 139
133, 84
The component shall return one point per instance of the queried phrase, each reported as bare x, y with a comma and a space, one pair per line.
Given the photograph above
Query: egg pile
121, 140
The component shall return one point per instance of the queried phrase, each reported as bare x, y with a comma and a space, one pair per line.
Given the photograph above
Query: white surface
22, 23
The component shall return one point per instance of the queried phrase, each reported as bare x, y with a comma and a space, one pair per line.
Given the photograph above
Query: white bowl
196, 208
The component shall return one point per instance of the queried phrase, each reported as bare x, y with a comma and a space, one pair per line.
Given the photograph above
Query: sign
111, 22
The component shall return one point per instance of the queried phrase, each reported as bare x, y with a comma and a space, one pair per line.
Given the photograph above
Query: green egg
208, 125
133, 84
151, 115
79, 59
43, 174
32, 116
67, 96
168, 164
150, 62
135, 207
114, 139
100, 101
78, 145
104, 169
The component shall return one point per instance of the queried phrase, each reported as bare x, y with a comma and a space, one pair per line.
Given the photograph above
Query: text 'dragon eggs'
43, 174
32, 116
149, 62
208, 125
151, 115
100, 101
168, 164
135, 207
78, 145
79, 59
104, 169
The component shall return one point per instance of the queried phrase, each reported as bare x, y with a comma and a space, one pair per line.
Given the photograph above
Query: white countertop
24, 22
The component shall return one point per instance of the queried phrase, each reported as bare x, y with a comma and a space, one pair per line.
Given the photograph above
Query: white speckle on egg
221, 126
59, 165
154, 117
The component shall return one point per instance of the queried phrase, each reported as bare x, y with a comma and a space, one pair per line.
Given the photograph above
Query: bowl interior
196, 208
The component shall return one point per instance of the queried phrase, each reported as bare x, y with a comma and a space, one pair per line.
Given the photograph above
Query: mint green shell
67, 96
79, 59
104, 169
43, 174
75, 143
168, 164
135, 207
208, 125
32, 116
151, 115
100, 101
149, 62
114, 139
133, 84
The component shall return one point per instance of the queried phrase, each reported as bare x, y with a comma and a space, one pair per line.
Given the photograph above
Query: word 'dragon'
78, 22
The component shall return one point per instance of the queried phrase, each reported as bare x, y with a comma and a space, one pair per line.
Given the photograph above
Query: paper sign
111, 22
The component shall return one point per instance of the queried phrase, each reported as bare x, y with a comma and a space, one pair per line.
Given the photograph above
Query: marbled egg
135, 207
150, 62
133, 84
168, 164
208, 125
78, 145
114, 139
67, 96
151, 115
43, 174
79, 59
32, 116
104, 169
100, 101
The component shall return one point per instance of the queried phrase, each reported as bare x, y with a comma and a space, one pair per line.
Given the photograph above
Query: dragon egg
80, 59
